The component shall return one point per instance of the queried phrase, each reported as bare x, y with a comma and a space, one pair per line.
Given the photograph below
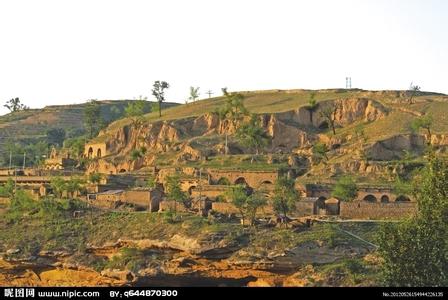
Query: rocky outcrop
289, 131
395, 147
347, 111
286, 137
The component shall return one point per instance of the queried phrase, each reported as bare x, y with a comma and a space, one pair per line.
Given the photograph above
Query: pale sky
61, 52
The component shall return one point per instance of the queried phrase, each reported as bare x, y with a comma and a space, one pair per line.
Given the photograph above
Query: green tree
136, 154
14, 105
194, 93
415, 250
58, 185
233, 111
95, 177
312, 106
73, 186
254, 202
424, 122
76, 145
55, 136
285, 196
238, 197
345, 189
252, 135
158, 91
7, 190
151, 181
174, 191
135, 111
92, 117
320, 151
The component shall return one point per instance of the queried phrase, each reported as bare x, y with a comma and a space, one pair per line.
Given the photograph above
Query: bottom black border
212, 292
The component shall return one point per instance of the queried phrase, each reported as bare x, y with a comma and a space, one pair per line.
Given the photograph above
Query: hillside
29, 126
373, 126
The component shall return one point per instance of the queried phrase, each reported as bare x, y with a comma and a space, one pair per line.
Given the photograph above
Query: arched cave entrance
324, 125
98, 153
265, 184
90, 153
190, 189
241, 180
402, 198
385, 199
122, 171
370, 198
319, 207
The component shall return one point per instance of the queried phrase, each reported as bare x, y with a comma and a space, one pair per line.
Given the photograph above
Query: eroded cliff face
290, 131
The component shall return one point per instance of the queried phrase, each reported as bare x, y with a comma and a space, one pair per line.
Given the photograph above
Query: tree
194, 93
329, 114
320, 151
232, 112
238, 197
92, 117
135, 111
136, 154
7, 190
285, 196
312, 106
413, 91
14, 105
414, 251
252, 135
58, 185
424, 122
55, 136
254, 202
73, 185
151, 182
174, 191
95, 177
345, 189
159, 92
76, 145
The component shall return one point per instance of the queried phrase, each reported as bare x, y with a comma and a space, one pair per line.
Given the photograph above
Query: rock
394, 147
124, 275
12, 251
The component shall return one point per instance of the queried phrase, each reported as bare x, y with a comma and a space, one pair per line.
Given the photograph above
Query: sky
63, 52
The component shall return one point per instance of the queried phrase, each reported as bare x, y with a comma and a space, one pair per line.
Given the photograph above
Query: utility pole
210, 93
10, 162
348, 82
226, 148
24, 159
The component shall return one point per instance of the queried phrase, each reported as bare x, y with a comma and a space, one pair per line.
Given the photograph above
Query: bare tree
413, 91
329, 114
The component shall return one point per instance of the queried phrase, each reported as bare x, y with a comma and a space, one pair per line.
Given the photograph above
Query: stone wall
146, 199
168, 205
375, 211
253, 178
210, 191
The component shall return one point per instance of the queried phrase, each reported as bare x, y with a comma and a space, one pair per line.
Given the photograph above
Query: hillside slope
29, 126
372, 126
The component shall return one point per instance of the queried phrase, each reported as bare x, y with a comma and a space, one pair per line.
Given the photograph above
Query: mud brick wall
375, 211
171, 205
229, 208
